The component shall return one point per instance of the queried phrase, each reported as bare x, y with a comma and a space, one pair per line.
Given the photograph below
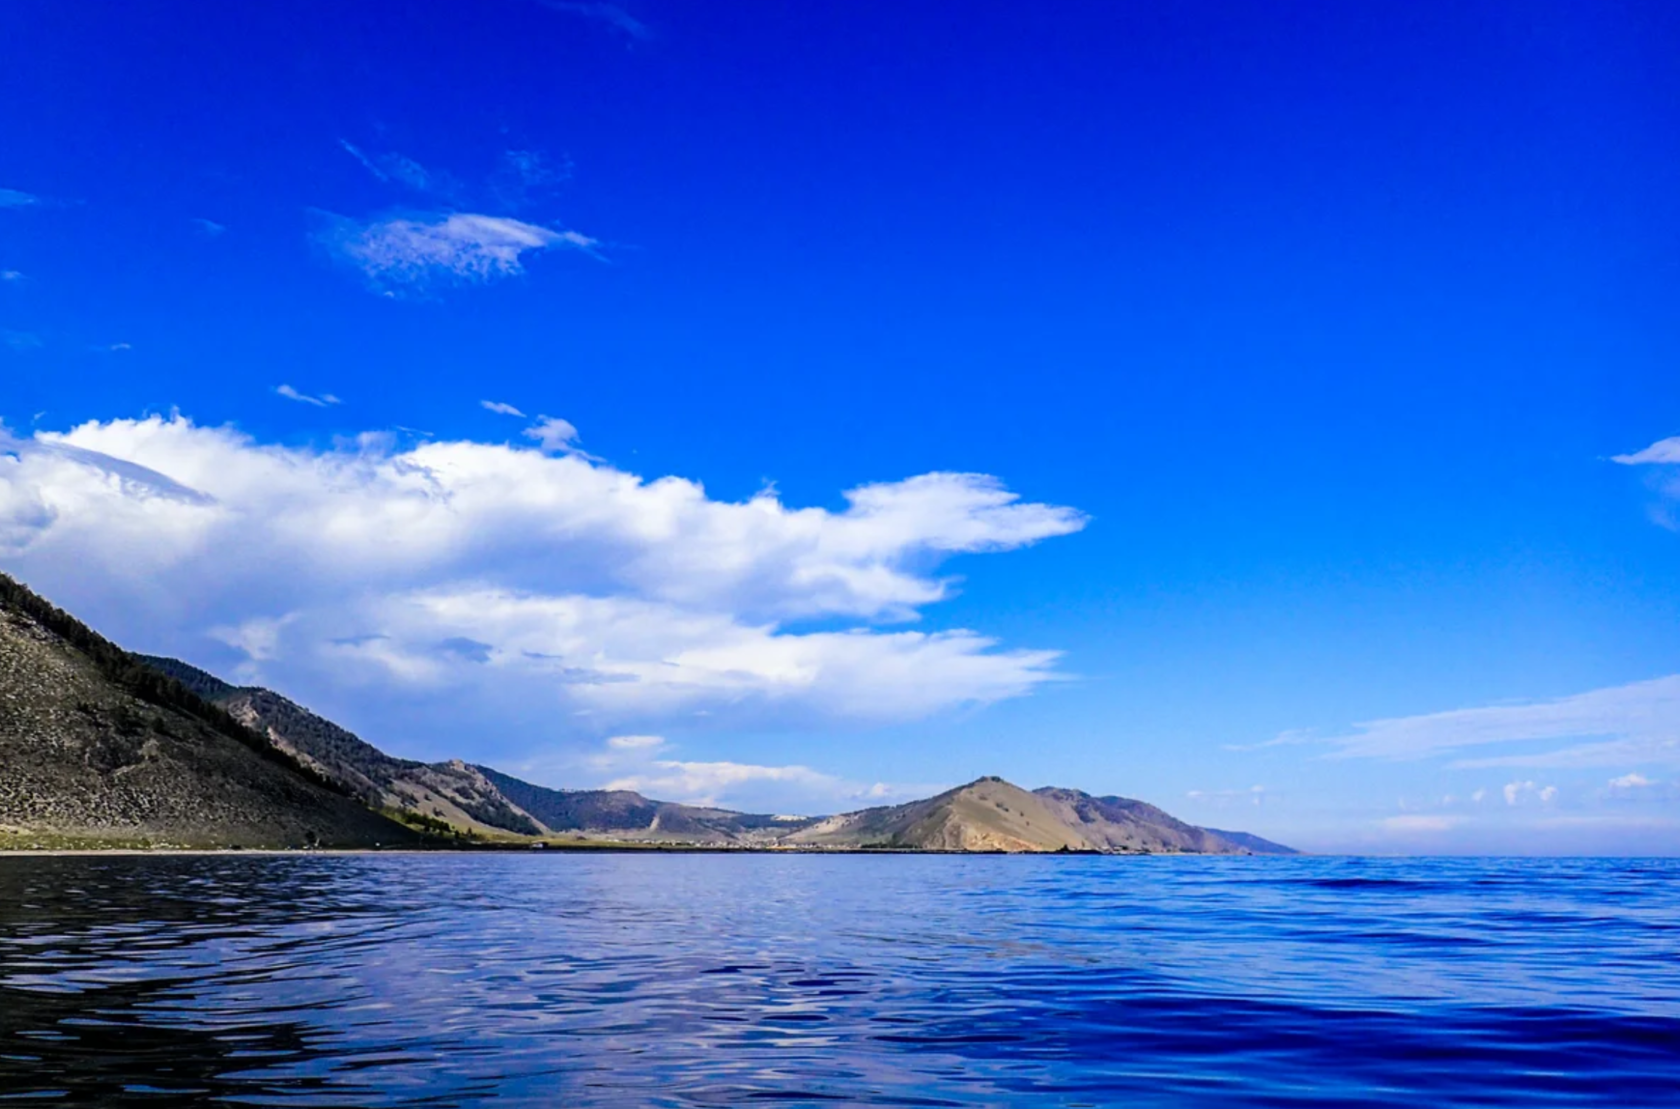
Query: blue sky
1305, 342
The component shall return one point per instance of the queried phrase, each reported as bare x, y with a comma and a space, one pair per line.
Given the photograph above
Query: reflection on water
646, 979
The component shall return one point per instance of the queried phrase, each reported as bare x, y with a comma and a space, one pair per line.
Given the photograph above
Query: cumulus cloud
1631, 781
1515, 791
553, 435
322, 401
1638, 722
501, 409
459, 247
546, 585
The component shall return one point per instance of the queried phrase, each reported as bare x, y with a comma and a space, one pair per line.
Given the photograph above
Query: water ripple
673, 980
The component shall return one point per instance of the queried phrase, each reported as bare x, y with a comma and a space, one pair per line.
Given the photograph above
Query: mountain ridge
462, 799
98, 748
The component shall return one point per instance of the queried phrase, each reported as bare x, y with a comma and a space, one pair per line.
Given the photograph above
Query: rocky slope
99, 749
985, 815
1121, 824
453, 792
100, 745
474, 799
993, 815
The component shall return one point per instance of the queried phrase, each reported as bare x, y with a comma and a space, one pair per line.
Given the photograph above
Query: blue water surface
585, 979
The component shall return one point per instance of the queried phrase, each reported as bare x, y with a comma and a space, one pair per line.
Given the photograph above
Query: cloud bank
550, 587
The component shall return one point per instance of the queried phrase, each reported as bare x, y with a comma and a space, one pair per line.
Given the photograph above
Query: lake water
676, 980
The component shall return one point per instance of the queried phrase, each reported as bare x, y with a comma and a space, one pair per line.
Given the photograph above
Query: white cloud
1662, 452
1631, 781
1514, 792
1478, 796
635, 742
1421, 822
14, 198
12, 275
322, 401
1254, 795
553, 435
454, 246
502, 409
707, 783
509, 580
1638, 722
647, 765
209, 226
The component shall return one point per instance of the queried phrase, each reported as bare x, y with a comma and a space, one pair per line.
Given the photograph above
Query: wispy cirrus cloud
322, 401
501, 408
16, 198
399, 169
1663, 457
454, 247
523, 175
613, 15
12, 275
1410, 823
1620, 725
1253, 795
209, 227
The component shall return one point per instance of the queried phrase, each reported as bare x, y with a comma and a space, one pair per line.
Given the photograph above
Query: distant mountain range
104, 747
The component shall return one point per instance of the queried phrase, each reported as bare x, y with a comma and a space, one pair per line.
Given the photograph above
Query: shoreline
573, 849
